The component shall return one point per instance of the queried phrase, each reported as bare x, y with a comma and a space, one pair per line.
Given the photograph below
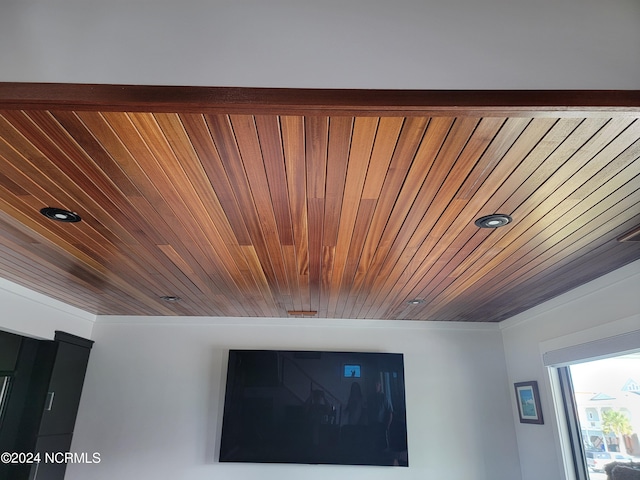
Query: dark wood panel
283, 101
349, 205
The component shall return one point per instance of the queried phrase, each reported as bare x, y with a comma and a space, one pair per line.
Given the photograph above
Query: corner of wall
30, 313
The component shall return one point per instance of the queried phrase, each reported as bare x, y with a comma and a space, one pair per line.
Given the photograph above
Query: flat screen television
314, 407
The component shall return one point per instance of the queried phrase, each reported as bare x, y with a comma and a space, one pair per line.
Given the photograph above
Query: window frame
572, 423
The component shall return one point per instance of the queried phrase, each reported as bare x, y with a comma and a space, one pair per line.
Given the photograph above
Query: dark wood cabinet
9, 349
42, 406
65, 387
52, 445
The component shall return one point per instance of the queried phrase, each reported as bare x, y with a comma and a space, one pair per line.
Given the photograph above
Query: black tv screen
345, 408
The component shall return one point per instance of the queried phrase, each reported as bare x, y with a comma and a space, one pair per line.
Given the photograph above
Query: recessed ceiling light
493, 221
60, 215
415, 301
170, 298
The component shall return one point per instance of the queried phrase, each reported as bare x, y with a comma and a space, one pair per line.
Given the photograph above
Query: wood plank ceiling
255, 203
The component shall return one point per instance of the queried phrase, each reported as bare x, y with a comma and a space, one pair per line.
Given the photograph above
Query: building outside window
607, 403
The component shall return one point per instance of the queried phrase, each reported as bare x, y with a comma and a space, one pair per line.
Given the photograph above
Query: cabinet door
65, 388
53, 467
9, 348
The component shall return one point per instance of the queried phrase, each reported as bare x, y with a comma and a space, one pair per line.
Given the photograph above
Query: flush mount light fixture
493, 221
60, 215
415, 301
170, 298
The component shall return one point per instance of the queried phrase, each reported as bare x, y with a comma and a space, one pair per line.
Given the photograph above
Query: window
602, 406
351, 371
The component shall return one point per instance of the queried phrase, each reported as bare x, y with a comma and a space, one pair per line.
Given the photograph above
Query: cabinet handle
50, 396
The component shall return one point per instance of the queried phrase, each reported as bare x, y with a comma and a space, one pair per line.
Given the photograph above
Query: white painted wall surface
154, 393
404, 44
29, 313
605, 307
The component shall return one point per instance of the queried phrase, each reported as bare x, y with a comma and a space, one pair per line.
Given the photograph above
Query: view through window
607, 399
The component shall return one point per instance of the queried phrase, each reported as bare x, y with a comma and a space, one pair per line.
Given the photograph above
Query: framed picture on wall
528, 400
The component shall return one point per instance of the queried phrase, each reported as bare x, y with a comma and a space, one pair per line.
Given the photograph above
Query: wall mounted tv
345, 408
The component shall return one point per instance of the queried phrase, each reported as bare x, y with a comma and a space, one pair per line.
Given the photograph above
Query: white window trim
595, 350
572, 353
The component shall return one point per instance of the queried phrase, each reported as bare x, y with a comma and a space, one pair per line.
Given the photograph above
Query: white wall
153, 397
32, 314
422, 44
603, 308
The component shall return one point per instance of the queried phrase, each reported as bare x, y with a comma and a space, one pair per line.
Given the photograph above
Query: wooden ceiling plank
616, 203
416, 194
137, 209
608, 143
364, 217
268, 303
187, 157
72, 165
474, 163
98, 155
413, 130
147, 130
108, 175
339, 145
225, 142
549, 260
340, 134
387, 137
385, 143
553, 188
315, 218
251, 155
225, 257
87, 173
597, 209
9, 186
556, 157
70, 169
56, 264
147, 220
401, 252
271, 143
141, 132
29, 163
570, 272
65, 291
25, 207
316, 147
522, 156
270, 136
422, 183
293, 145
200, 137
564, 139
328, 260
316, 150
364, 133
54, 256
289, 256
448, 170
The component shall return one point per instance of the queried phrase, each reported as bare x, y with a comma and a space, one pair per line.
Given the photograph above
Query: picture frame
528, 400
